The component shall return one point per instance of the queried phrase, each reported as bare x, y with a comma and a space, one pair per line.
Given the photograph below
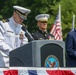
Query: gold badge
51, 38
21, 35
40, 38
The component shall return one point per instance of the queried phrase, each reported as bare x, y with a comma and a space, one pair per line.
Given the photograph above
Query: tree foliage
42, 6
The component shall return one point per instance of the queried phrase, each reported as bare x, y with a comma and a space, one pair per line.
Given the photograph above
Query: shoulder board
23, 24
35, 32
5, 20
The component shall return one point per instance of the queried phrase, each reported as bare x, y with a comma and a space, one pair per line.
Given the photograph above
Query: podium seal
51, 61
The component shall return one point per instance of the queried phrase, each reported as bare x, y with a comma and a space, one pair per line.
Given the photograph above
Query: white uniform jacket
11, 37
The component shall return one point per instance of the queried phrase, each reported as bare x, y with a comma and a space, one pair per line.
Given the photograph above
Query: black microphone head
23, 28
27, 34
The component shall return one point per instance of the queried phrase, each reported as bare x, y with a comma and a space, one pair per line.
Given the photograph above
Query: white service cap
42, 17
23, 12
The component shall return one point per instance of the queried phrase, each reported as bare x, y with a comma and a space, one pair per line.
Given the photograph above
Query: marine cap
42, 17
22, 12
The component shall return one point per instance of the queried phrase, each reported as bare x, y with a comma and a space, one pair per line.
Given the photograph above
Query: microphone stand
27, 34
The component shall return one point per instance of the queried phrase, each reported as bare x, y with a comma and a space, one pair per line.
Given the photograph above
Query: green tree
68, 9
42, 6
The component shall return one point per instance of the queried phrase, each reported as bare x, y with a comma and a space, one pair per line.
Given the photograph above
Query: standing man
42, 33
71, 48
11, 34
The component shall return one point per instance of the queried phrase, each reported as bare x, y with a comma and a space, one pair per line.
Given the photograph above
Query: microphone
27, 34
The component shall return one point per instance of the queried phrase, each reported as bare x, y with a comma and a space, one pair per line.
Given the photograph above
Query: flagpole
60, 13
60, 18
73, 22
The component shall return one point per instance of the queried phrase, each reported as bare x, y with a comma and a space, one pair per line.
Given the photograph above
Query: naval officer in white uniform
11, 34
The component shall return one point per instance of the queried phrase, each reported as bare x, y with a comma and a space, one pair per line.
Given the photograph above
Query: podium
39, 53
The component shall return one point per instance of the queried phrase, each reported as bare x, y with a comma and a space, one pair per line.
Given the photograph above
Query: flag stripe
23, 72
1, 73
10, 72
32, 72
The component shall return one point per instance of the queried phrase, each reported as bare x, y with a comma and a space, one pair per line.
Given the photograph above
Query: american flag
56, 29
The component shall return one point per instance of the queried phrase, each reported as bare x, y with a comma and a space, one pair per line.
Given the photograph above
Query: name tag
10, 31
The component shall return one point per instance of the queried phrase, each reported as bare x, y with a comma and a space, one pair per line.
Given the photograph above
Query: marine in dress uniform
11, 34
71, 48
42, 33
